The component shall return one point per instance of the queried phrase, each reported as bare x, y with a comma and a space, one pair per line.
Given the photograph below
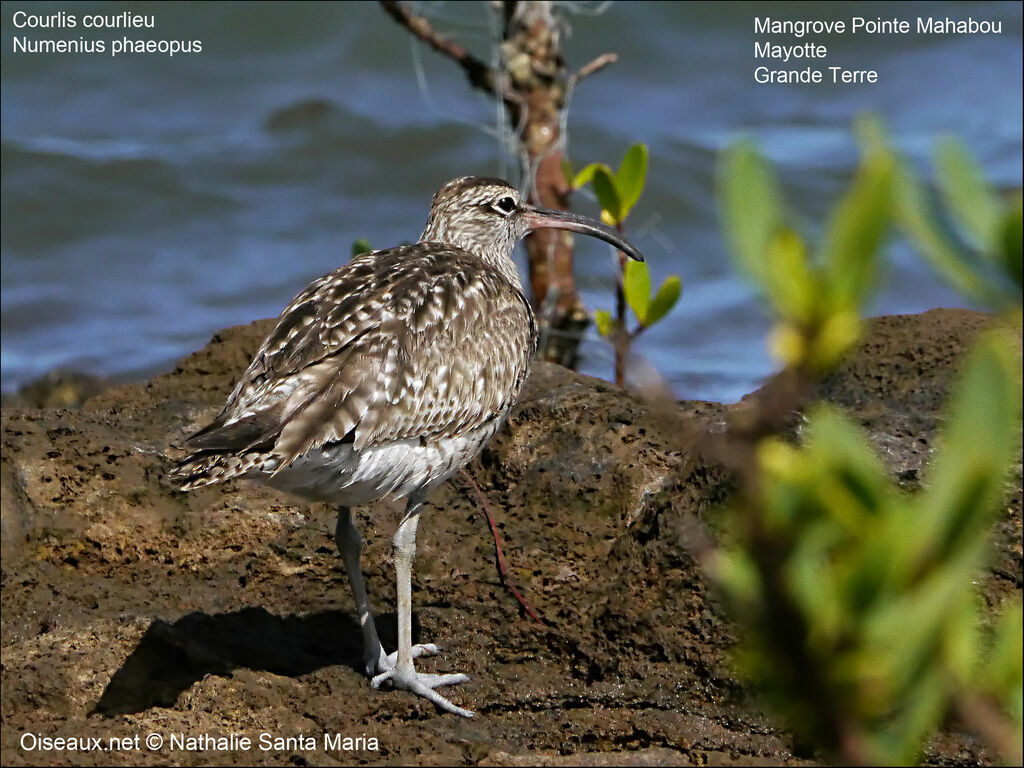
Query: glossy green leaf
751, 206
603, 321
970, 199
362, 245
586, 174
636, 286
607, 194
632, 175
663, 301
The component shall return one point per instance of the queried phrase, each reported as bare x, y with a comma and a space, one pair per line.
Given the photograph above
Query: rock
130, 608
898, 382
897, 385
57, 389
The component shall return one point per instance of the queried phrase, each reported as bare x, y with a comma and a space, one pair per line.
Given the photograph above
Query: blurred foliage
617, 192
816, 299
977, 247
362, 245
861, 621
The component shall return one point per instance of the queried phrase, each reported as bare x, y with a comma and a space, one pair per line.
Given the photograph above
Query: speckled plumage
421, 342
385, 377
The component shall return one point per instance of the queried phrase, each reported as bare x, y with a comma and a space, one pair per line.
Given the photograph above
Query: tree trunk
538, 80
532, 82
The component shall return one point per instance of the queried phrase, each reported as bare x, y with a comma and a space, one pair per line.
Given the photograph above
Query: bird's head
487, 217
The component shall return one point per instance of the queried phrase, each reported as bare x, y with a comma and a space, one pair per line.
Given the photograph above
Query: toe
389, 660
439, 700
378, 679
425, 649
423, 684
434, 681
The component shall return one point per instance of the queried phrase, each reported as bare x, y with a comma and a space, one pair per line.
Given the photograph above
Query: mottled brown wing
412, 342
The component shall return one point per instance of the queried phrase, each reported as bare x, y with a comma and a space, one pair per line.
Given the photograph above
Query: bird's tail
206, 468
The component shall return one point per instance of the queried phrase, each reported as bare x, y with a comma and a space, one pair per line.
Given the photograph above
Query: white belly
340, 475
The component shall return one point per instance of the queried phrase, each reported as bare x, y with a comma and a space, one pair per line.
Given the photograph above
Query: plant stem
622, 338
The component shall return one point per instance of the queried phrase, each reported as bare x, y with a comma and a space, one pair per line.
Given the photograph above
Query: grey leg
350, 545
404, 675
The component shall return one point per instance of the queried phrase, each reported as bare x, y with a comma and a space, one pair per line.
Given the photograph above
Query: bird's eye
505, 206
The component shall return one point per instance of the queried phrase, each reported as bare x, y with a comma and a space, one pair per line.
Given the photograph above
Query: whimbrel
384, 378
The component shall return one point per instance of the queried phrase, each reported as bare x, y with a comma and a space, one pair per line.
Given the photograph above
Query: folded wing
411, 342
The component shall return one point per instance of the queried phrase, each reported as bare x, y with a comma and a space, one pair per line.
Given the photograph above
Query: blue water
149, 201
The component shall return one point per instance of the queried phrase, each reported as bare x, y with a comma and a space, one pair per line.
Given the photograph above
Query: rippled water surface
149, 201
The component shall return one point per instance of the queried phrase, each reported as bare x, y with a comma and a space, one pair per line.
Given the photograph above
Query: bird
385, 377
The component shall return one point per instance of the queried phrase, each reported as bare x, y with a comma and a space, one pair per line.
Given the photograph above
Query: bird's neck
495, 253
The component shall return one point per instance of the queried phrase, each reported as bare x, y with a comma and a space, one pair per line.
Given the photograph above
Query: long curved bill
547, 218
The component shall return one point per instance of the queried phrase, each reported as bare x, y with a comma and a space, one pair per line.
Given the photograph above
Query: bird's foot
423, 684
377, 662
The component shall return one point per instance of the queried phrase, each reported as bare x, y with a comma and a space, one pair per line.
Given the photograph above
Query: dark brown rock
131, 608
61, 388
897, 385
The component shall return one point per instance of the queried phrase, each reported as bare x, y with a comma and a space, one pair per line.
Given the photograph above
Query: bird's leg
350, 545
404, 675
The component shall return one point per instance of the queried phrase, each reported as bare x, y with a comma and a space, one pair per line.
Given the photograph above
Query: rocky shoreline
130, 608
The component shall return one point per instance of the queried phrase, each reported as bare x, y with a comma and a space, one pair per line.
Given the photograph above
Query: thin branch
480, 75
500, 556
592, 68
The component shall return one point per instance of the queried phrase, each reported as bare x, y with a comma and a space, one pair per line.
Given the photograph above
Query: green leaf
962, 640
751, 206
586, 174
629, 181
904, 634
838, 332
970, 199
966, 481
915, 216
362, 245
787, 280
663, 301
850, 460
603, 320
1002, 669
855, 231
636, 286
607, 194
737, 573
